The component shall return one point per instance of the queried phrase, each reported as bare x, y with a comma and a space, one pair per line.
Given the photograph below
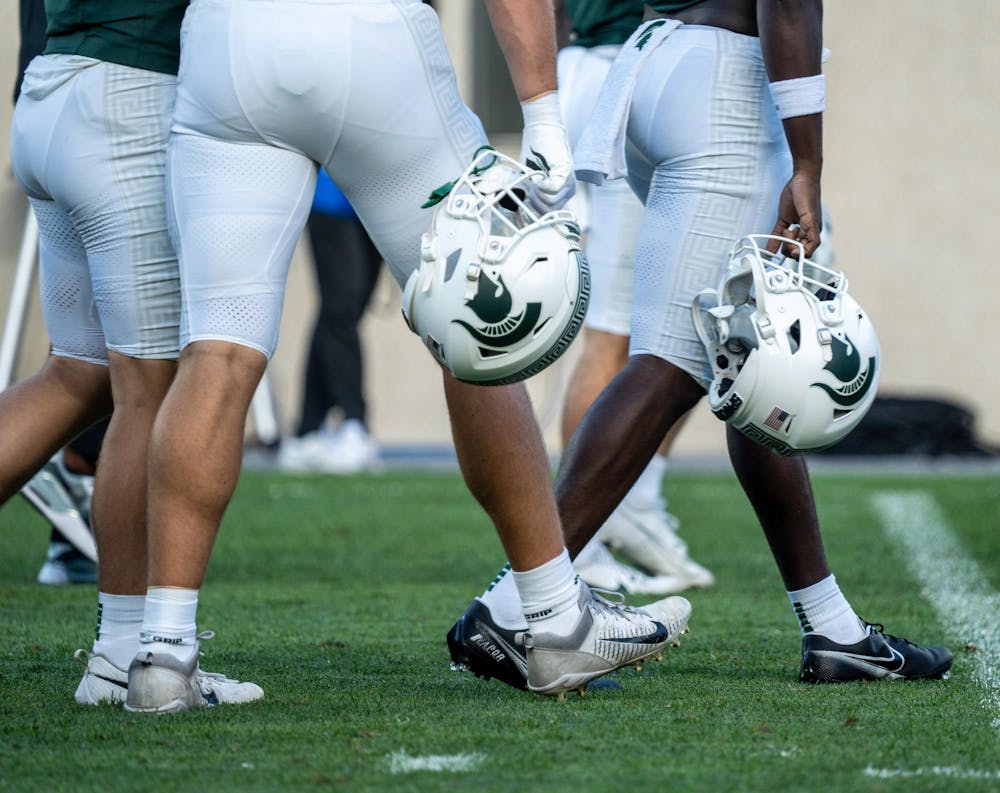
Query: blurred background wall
910, 178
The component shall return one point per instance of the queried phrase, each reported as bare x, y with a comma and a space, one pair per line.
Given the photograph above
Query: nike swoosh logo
661, 634
113, 682
519, 660
893, 662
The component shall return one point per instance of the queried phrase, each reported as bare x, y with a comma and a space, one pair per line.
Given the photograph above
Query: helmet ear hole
795, 336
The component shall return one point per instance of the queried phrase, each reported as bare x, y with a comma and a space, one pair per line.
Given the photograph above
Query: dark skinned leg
616, 440
781, 494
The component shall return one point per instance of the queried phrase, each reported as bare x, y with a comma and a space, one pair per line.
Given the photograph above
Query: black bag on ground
914, 426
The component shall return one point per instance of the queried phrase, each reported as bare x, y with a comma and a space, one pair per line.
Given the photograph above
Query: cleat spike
637, 666
561, 696
658, 657
675, 643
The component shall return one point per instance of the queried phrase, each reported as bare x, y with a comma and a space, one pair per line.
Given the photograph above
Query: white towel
600, 153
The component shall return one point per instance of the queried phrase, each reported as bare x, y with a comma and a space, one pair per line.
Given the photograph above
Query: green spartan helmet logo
492, 303
845, 365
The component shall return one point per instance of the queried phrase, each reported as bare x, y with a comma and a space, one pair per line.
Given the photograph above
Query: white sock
550, 595
119, 618
648, 488
503, 601
823, 609
168, 625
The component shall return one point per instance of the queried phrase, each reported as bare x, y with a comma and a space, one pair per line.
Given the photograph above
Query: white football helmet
795, 359
501, 291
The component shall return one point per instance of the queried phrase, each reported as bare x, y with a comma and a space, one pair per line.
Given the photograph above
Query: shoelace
605, 604
878, 627
207, 679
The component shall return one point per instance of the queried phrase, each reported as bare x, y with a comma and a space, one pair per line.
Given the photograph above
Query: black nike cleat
478, 645
877, 656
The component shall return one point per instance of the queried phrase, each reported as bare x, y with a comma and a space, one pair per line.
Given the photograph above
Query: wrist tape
800, 96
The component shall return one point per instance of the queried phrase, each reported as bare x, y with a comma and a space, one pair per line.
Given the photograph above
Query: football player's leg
639, 529
119, 209
72, 390
623, 428
234, 240
40, 414
429, 136
73, 387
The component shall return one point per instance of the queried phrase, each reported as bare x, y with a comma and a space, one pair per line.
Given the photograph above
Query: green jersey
144, 34
666, 6
597, 22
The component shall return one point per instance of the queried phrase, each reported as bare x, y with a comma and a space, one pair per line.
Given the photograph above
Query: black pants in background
347, 268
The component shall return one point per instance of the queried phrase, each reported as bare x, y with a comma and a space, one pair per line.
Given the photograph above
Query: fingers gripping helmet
795, 359
501, 291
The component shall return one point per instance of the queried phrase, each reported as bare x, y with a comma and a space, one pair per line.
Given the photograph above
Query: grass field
335, 594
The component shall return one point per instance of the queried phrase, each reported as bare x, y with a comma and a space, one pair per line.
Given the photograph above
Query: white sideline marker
402, 763
951, 581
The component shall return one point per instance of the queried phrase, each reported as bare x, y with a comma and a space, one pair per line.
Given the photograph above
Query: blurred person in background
347, 267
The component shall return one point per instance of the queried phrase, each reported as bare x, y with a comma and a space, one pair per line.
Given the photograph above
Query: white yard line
951, 581
402, 763
934, 770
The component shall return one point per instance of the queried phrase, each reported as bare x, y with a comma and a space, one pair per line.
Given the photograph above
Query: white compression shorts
708, 155
268, 89
88, 145
611, 213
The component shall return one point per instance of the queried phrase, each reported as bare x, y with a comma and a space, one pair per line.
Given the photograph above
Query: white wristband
543, 110
800, 96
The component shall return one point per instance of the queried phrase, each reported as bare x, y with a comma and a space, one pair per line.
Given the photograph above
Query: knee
655, 375
236, 368
88, 382
139, 384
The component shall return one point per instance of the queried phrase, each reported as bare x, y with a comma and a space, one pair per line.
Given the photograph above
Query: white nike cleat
162, 683
647, 536
102, 681
607, 637
672, 613
596, 565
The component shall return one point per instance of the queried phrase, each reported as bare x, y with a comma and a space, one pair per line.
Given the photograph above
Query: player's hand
799, 205
545, 148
